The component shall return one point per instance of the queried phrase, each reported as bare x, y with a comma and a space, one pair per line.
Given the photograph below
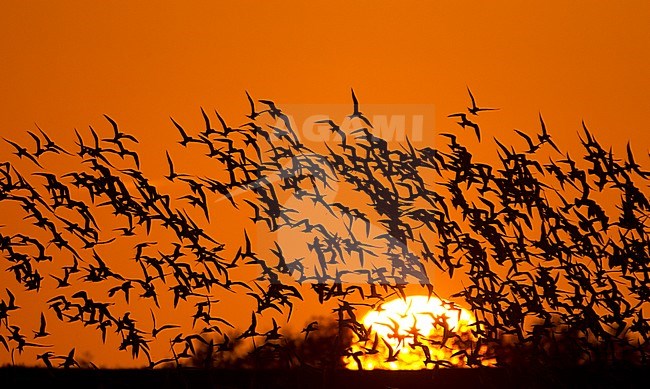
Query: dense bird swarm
551, 250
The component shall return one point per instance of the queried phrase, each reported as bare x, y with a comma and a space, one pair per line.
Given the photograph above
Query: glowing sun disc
404, 331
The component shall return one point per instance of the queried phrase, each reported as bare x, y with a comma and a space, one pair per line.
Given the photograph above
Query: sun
414, 333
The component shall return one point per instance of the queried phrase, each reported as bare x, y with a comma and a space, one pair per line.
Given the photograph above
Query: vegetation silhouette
321, 350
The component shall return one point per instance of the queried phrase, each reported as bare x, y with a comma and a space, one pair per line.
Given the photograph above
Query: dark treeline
304, 377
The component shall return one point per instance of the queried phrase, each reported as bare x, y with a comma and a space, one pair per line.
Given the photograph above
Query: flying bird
41, 331
355, 112
464, 122
474, 110
23, 152
254, 114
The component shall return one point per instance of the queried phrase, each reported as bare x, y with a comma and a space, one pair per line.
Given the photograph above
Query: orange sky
64, 64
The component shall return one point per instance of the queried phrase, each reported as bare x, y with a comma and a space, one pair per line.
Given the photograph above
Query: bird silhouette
556, 242
23, 152
254, 114
464, 122
41, 330
474, 110
355, 110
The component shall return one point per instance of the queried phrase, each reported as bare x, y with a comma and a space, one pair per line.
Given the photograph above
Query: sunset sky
65, 64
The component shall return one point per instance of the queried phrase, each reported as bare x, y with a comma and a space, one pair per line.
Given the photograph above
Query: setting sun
415, 333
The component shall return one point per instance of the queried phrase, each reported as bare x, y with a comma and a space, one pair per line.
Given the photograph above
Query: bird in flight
464, 122
22, 152
254, 114
474, 109
356, 113
41, 331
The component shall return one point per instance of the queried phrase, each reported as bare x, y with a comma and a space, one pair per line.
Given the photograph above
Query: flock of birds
540, 246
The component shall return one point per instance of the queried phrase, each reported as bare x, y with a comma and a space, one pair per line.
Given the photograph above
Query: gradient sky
65, 64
